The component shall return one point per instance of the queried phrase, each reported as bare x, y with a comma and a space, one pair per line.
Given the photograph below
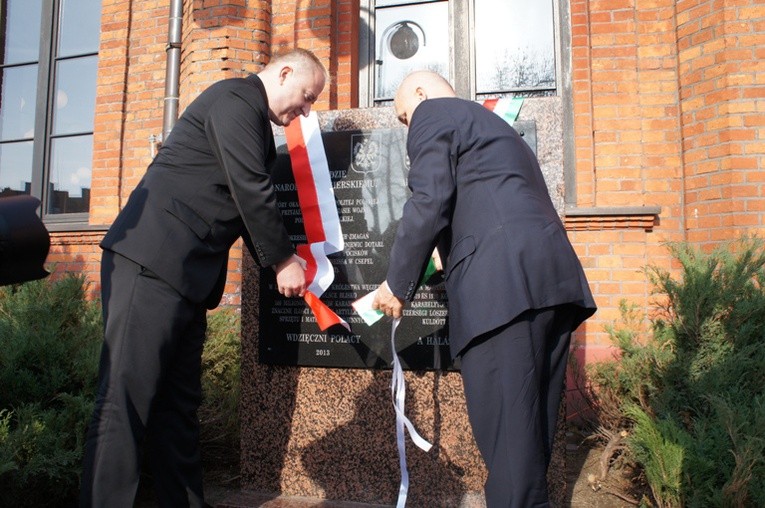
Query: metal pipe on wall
173, 68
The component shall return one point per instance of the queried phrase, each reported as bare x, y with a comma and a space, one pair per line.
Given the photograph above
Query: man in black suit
516, 289
164, 264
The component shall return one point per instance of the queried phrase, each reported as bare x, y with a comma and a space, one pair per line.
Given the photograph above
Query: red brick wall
721, 57
628, 148
329, 28
668, 102
76, 253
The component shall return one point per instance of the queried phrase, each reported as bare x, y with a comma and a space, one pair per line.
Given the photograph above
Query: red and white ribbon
316, 196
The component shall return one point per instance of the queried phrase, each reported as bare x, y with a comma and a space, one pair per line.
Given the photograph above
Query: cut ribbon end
325, 317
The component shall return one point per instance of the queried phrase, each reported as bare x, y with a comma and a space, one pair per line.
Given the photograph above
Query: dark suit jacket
208, 185
478, 192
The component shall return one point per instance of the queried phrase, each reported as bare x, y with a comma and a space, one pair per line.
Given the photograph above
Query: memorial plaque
369, 171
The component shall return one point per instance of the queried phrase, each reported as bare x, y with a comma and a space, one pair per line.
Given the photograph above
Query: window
408, 37
486, 48
47, 102
514, 46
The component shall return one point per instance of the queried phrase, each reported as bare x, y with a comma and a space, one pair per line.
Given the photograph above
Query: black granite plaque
369, 175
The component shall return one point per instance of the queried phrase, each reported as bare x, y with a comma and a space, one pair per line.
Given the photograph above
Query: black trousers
513, 378
149, 391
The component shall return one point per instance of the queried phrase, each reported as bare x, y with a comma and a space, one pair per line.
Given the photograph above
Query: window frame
43, 137
461, 19
461, 49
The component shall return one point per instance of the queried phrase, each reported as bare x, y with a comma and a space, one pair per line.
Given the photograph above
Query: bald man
516, 289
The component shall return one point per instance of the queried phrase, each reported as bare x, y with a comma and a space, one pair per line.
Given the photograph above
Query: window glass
408, 38
22, 31
80, 27
15, 168
69, 178
47, 101
75, 98
523, 57
17, 102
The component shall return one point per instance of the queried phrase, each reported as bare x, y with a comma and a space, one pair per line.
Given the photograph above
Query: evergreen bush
49, 345
219, 412
50, 339
692, 389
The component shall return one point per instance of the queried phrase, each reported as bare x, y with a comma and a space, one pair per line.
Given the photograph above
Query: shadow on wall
366, 468
264, 388
233, 13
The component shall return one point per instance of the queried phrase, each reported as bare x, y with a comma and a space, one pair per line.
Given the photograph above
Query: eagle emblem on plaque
365, 152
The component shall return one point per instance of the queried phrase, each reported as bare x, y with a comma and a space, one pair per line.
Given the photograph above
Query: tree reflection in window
514, 45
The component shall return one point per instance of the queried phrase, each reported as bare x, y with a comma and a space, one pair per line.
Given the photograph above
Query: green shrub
220, 375
692, 390
49, 344
50, 339
219, 412
660, 446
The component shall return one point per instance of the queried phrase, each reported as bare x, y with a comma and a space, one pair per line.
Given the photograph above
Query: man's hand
290, 276
387, 302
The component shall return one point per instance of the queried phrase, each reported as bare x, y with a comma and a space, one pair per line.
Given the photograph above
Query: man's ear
420, 93
283, 73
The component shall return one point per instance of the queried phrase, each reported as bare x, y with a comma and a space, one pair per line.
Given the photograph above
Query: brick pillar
722, 100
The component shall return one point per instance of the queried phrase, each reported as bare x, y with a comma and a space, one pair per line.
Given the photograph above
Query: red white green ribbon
507, 109
316, 197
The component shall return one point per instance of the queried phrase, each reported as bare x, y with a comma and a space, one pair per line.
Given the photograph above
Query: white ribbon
398, 391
